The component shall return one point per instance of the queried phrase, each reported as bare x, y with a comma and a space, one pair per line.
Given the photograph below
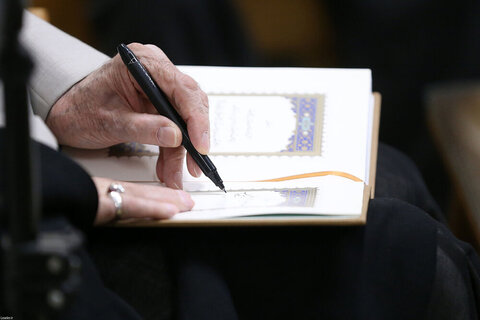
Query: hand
140, 201
108, 107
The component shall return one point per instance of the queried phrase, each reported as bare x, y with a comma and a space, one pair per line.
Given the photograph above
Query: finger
192, 104
149, 129
184, 93
181, 199
193, 167
138, 207
135, 207
141, 201
172, 167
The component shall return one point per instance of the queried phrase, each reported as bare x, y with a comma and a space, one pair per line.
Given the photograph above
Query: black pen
165, 108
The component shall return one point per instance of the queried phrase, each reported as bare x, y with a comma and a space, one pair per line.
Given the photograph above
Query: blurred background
424, 56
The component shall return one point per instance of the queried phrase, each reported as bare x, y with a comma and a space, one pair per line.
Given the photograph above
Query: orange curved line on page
315, 174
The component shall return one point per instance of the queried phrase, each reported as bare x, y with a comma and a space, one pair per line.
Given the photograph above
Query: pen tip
223, 189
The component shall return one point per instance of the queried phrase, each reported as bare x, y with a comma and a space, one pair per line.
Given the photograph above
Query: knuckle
156, 51
134, 44
155, 60
151, 46
168, 72
204, 100
187, 82
203, 110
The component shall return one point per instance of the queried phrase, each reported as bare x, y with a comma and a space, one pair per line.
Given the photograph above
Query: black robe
403, 264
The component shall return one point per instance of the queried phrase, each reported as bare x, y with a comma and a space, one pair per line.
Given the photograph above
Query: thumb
150, 129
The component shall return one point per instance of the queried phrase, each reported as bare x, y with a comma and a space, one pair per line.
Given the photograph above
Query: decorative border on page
299, 197
307, 137
305, 140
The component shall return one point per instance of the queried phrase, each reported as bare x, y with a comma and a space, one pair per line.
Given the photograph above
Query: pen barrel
156, 96
203, 161
160, 101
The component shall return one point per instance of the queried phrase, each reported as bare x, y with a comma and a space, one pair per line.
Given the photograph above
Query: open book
293, 146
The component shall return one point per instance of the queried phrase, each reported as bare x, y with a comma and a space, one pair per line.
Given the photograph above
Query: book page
335, 124
266, 125
325, 196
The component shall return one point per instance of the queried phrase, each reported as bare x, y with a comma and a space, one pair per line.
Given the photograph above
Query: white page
345, 128
320, 196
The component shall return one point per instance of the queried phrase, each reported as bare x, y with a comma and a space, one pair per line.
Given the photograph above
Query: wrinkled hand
109, 107
140, 201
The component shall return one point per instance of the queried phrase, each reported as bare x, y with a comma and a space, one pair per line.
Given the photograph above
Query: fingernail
196, 171
206, 141
167, 137
186, 199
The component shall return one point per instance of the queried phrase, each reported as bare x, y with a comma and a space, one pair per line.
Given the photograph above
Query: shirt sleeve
60, 61
66, 189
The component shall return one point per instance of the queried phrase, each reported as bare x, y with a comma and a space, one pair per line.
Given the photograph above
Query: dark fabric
385, 270
398, 178
67, 190
388, 269
402, 265
188, 31
409, 45
372, 272
456, 286
132, 263
94, 301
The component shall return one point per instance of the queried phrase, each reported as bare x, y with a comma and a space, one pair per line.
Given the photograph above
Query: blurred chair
290, 33
453, 112
40, 12
68, 15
